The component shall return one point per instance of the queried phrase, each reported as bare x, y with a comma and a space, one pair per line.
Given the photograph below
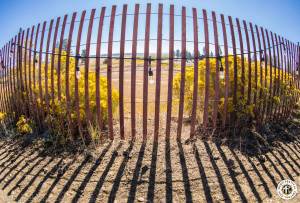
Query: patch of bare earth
163, 171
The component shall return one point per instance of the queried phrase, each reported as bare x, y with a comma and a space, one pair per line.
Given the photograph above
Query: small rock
141, 199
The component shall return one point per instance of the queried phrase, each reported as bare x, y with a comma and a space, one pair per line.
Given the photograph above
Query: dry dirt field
163, 171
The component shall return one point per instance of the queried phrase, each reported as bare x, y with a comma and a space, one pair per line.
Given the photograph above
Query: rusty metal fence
140, 54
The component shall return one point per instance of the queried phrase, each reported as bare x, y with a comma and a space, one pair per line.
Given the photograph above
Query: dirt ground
163, 171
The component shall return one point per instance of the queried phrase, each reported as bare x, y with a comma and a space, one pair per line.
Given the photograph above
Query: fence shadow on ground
150, 171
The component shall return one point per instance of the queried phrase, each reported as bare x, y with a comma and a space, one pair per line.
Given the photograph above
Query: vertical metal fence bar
53, 58
158, 71
40, 66
235, 82
75, 71
171, 67
278, 83
294, 62
18, 108
225, 116
34, 55
196, 55
59, 57
242, 58
1, 89
145, 84
21, 88
290, 74
1, 96
287, 74
46, 64
29, 67
294, 72
266, 72
281, 78
217, 91
34, 71
87, 70
255, 67
133, 68
4, 77
68, 52
260, 104
109, 72
10, 92
98, 54
182, 80
249, 64
207, 70
298, 65
270, 103
273, 109
283, 73
9, 75
121, 71
4, 68
14, 63
25, 65
2, 83
298, 48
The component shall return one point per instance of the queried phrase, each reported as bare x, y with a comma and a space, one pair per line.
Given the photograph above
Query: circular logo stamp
287, 189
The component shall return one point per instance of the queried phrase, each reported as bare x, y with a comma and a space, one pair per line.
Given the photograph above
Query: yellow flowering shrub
56, 117
242, 108
2, 116
24, 125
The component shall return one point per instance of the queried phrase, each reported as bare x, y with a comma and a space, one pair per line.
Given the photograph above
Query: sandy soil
163, 171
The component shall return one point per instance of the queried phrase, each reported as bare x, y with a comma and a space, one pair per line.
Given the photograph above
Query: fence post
249, 63
121, 71
270, 102
98, 54
195, 90
46, 65
242, 59
59, 56
207, 70
218, 60
145, 84
182, 80
109, 72
30, 72
133, 69
86, 71
234, 65
255, 68
53, 59
226, 72
77, 68
68, 52
25, 70
171, 67
158, 72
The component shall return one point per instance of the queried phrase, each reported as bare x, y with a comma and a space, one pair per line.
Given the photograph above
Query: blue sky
279, 16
